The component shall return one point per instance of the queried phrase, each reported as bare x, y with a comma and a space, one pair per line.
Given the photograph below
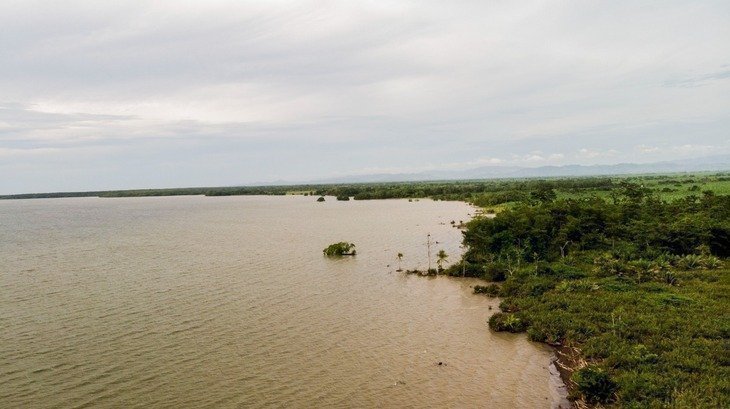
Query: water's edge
230, 302
561, 365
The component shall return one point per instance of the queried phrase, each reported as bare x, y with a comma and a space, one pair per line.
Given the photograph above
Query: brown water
228, 302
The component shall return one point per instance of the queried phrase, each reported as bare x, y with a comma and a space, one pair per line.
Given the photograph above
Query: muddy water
228, 302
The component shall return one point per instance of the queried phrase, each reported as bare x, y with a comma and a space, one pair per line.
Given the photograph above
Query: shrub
606, 266
495, 272
595, 385
576, 286
342, 248
697, 262
468, 269
506, 322
491, 290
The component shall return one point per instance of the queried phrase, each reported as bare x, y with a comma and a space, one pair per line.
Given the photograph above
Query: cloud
685, 150
698, 80
556, 157
647, 149
693, 149
585, 153
231, 92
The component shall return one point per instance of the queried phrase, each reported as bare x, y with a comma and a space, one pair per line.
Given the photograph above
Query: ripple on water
228, 302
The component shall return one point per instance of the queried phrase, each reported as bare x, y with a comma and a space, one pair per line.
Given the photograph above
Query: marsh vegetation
636, 283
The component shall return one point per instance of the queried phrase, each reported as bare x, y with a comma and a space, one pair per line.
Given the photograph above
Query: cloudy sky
107, 95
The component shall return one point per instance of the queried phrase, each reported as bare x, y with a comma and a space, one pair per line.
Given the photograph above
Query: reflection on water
228, 302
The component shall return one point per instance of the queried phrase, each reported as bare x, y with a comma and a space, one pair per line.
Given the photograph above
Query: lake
228, 302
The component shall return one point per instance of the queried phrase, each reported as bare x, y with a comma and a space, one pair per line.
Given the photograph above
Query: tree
543, 194
321, 199
442, 256
400, 258
342, 248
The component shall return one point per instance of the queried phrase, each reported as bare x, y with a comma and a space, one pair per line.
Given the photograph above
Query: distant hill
703, 164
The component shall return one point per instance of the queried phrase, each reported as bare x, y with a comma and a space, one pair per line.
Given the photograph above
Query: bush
595, 385
506, 322
606, 266
491, 290
697, 262
495, 272
466, 269
342, 248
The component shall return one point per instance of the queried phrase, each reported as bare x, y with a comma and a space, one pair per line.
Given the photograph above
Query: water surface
228, 302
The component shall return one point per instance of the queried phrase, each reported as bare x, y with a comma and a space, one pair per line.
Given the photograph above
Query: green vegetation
441, 257
320, 199
494, 194
342, 248
491, 290
636, 281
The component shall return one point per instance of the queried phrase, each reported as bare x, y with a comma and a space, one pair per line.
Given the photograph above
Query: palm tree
400, 258
442, 256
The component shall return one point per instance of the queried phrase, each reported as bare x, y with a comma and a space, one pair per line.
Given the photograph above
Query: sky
110, 95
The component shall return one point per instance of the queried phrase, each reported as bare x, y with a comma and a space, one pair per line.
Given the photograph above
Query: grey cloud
217, 89
698, 80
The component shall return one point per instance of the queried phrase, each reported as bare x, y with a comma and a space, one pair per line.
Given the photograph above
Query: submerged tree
342, 248
442, 256
400, 258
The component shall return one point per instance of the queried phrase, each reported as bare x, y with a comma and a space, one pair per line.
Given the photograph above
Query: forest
632, 289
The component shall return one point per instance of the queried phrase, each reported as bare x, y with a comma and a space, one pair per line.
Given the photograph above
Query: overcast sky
108, 95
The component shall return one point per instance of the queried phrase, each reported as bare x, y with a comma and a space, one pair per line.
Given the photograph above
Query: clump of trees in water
342, 248
639, 285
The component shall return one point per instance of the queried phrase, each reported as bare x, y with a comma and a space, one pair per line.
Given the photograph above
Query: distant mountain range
703, 164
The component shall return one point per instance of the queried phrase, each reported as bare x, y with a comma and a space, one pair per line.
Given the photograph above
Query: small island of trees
342, 248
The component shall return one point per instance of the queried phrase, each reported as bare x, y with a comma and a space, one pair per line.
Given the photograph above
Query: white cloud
647, 149
358, 85
692, 149
585, 153
685, 150
556, 157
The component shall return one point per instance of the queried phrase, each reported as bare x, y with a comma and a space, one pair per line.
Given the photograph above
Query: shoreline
564, 361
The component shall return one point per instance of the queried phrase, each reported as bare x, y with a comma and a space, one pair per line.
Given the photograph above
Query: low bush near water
342, 248
506, 322
595, 385
491, 290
